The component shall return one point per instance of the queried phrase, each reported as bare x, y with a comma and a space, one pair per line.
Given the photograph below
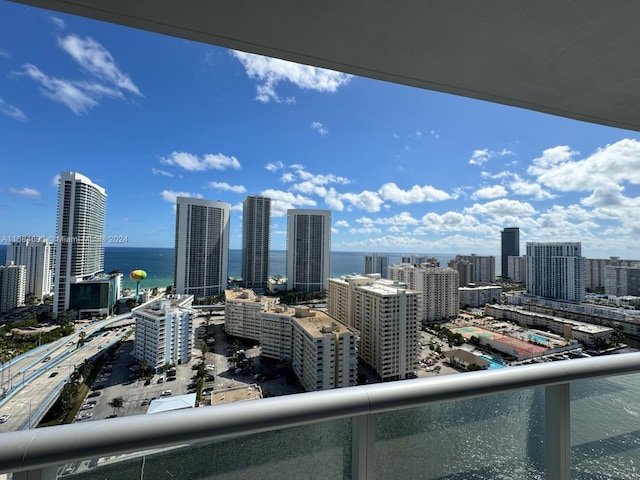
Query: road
31, 382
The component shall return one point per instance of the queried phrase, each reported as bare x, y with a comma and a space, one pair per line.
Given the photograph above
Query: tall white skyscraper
35, 255
555, 270
12, 281
79, 235
308, 249
256, 219
202, 247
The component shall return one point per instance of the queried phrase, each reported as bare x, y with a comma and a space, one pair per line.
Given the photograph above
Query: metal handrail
45, 447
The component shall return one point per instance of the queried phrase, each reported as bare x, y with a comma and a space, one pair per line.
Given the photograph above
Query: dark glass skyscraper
510, 248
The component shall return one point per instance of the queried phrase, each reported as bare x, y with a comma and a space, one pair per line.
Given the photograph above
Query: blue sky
149, 117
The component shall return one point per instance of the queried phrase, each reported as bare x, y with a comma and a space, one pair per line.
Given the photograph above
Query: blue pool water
494, 363
538, 338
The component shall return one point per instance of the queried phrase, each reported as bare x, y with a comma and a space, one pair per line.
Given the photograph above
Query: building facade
12, 286
479, 296
510, 248
164, 331
517, 268
308, 249
256, 221
376, 263
555, 270
440, 298
322, 351
36, 255
201, 247
386, 314
622, 281
80, 238
474, 268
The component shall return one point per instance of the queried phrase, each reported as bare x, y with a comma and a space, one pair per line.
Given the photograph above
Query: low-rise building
473, 296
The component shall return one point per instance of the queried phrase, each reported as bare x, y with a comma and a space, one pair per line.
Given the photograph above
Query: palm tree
81, 337
85, 369
116, 403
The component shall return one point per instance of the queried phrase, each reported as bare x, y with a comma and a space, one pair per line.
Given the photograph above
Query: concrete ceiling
578, 59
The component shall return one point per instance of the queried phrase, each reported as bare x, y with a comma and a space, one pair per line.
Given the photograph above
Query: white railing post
558, 432
363, 439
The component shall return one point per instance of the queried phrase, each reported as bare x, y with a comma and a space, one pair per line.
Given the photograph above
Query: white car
211, 367
4, 418
165, 393
85, 415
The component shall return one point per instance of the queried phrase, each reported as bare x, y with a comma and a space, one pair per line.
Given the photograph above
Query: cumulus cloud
11, 111
270, 72
228, 188
275, 166
403, 218
26, 192
170, 195
58, 22
342, 223
416, 194
55, 181
495, 191
195, 163
481, 156
449, 222
529, 189
318, 127
282, 201
366, 200
501, 207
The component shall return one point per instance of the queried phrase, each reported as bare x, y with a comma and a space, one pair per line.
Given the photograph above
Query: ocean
158, 263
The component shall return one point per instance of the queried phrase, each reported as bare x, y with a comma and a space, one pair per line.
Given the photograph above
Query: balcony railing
508, 423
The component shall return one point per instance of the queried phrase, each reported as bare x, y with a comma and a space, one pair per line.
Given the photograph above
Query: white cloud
228, 188
282, 201
524, 188
481, 156
403, 218
496, 191
97, 61
434, 134
26, 192
170, 196
318, 127
157, 171
194, 163
4, 53
501, 207
55, 181
275, 166
370, 230
449, 222
391, 192
58, 22
270, 72
366, 200
342, 223
11, 111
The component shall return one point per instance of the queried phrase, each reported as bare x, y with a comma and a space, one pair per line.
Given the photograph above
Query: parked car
5, 417
166, 393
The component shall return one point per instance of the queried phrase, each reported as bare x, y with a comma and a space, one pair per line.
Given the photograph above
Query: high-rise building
595, 271
308, 249
480, 268
12, 286
202, 247
164, 330
438, 287
386, 315
79, 235
517, 268
256, 218
419, 259
555, 270
322, 351
36, 255
376, 263
622, 281
510, 248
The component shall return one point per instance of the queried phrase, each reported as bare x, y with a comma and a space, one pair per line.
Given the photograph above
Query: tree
84, 369
116, 403
81, 337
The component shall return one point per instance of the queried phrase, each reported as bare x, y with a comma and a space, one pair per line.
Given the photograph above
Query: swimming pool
538, 338
494, 363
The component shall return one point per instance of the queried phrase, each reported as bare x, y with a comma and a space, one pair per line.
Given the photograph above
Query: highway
31, 382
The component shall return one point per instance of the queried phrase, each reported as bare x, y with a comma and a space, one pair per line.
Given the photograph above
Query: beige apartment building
322, 351
386, 315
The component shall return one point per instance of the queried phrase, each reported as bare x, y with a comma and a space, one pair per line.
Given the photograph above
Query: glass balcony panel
605, 428
319, 451
494, 437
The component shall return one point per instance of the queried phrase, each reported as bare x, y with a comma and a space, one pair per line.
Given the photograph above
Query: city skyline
151, 117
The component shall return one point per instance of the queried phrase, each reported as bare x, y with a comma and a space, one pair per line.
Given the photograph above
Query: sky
151, 117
